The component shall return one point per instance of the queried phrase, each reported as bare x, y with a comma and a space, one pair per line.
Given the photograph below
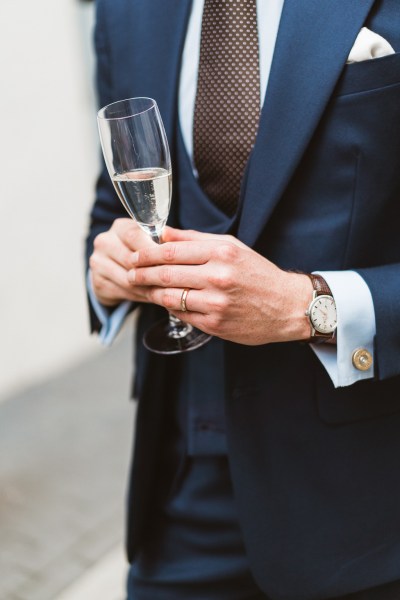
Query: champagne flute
136, 153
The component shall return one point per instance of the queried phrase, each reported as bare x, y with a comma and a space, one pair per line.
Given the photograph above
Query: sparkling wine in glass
136, 153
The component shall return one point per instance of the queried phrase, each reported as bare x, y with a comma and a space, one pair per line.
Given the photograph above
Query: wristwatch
321, 311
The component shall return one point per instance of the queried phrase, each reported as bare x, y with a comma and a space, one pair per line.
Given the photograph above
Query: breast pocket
369, 75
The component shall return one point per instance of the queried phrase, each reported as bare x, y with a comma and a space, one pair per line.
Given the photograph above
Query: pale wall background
48, 162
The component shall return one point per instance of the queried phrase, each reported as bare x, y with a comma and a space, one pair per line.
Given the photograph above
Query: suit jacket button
362, 359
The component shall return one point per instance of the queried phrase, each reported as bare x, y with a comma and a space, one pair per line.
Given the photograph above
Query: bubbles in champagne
146, 195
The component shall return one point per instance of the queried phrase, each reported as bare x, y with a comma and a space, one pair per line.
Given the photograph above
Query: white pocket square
369, 45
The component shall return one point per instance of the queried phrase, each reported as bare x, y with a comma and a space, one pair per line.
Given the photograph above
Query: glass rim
100, 113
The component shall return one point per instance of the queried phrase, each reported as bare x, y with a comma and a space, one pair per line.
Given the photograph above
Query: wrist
299, 289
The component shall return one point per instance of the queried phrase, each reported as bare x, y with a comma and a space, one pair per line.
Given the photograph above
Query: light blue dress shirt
356, 315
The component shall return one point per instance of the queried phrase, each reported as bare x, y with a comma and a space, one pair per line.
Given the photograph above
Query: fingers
110, 294
127, 264
187, 235
111, 260
105, 267
170, 234
208, 264
120, 242
183, 253
110, 284
203, 310
110, 246
131, 235
197, 301
169, 276
170, 299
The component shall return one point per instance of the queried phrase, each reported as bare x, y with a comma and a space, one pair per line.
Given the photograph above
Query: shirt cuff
356, 327
111, 320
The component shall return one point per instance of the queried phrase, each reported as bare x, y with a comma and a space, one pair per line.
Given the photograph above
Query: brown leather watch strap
319, 285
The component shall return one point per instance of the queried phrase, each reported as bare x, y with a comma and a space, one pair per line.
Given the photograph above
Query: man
265, 463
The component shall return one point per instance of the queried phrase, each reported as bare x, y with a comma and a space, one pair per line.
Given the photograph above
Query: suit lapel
313, 43
157, 30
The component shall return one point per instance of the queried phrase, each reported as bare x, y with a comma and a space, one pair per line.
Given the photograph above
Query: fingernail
135, 257
131, 276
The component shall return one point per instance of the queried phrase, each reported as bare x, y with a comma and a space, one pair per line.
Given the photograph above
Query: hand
235, 293
112, 258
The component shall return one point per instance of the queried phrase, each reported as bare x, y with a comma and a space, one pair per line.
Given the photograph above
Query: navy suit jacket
315, 469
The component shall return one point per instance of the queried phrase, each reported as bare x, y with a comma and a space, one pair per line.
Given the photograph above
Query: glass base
164, 338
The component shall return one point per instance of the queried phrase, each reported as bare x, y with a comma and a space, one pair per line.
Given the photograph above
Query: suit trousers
194, 548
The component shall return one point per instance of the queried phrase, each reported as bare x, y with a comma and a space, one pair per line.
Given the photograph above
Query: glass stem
157, 238
177, 328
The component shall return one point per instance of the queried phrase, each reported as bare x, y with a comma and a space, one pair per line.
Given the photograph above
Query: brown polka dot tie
227, 107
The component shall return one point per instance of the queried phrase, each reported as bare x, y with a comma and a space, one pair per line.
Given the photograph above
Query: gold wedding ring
183, 299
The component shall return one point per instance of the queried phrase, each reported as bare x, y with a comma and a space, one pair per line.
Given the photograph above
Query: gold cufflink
362, 359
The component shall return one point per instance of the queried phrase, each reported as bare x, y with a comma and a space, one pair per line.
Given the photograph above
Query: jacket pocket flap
363, 400
369, 75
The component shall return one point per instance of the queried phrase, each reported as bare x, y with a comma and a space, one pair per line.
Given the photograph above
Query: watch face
323, 314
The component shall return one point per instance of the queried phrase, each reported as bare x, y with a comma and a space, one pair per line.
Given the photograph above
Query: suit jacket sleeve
107, 206
384, 283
